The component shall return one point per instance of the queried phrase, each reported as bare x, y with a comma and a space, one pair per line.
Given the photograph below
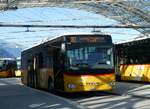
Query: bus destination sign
89, 39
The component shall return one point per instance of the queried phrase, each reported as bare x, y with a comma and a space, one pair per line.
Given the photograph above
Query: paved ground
114, 102
124, 96
133, 89
13, 95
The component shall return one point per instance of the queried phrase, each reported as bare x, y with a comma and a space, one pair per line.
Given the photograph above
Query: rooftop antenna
27, 29
96, 31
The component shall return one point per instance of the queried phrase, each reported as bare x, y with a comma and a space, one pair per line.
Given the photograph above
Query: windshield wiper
81, 64
101, 62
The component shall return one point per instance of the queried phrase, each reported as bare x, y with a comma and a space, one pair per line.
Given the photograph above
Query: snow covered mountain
8, 50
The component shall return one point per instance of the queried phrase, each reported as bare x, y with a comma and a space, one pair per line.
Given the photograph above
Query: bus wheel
50, 85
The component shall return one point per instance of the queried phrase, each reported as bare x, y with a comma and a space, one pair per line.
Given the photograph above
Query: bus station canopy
130, 12
126, 12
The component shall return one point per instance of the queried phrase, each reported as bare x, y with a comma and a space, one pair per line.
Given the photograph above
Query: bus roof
2, 59
132, 40
64, 34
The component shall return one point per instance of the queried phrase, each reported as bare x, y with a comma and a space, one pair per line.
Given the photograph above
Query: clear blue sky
54, 16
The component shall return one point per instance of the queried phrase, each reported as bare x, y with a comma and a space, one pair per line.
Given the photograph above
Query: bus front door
58, 70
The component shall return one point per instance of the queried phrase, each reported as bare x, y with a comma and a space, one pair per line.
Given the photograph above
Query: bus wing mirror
109, 51
63, 47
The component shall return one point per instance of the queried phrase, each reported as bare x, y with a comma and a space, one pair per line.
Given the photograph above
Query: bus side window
57, 58
29, 64
40, 57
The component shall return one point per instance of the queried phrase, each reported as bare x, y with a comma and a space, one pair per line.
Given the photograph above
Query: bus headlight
71, 86
112, 83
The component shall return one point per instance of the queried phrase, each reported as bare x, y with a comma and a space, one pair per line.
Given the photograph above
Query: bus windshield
89, 57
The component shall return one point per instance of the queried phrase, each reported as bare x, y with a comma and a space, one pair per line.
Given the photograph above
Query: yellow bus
70, 63
134, 60
7, 67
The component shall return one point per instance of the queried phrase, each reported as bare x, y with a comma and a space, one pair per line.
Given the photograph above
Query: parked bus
7, 67
70, 63
134, 60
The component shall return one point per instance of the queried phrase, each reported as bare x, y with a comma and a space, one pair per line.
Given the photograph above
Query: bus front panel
89, 67
80, 83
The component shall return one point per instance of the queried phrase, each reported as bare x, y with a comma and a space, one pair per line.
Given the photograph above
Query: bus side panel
11, 72
4, 74
18, 73
79, 83
7, 73
146, 73
135, 72
24, 76
125, 72
43, 76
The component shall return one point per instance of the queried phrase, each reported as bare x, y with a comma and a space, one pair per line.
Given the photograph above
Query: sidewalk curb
139, 96
58, 97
